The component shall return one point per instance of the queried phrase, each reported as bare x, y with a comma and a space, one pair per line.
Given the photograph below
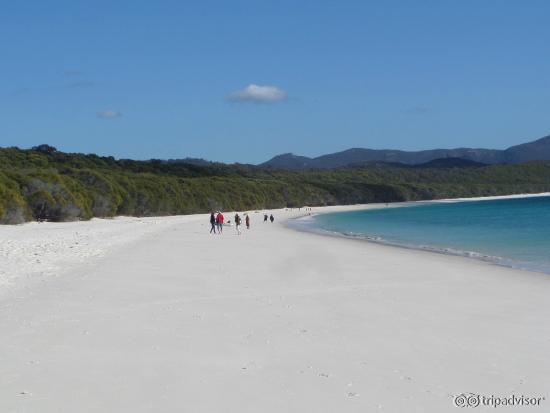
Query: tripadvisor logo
475, 400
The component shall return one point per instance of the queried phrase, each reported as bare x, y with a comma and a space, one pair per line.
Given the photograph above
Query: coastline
59, 247
273, 320
298, 224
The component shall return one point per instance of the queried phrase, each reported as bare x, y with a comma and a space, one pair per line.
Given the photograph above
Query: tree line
45, 184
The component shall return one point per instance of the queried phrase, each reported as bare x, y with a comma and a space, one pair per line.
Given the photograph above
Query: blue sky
246, 80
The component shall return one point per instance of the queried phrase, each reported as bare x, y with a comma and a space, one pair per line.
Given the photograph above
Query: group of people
217, 221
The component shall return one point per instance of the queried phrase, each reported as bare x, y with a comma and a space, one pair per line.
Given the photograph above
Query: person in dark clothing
265, 217
238, 223
213, 222
271, 218
247, 221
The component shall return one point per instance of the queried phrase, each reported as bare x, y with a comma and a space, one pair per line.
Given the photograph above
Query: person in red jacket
219, 222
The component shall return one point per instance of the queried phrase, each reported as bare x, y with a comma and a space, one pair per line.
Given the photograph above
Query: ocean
514, 232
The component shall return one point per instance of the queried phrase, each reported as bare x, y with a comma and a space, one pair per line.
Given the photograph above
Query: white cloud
258, 94
109, 114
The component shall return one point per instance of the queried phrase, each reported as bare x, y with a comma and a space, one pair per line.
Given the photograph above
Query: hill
532, 151
537, 150
450, 163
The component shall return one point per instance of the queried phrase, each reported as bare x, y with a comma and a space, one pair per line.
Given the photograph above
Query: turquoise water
514, 232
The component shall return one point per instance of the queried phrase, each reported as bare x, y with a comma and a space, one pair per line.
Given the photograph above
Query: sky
242, 81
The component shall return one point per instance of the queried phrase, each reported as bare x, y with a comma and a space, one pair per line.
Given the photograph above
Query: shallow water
513, 232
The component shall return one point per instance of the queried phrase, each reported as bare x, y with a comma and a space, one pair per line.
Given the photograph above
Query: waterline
512, 231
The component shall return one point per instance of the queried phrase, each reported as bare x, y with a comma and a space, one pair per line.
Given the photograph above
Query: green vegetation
44, 184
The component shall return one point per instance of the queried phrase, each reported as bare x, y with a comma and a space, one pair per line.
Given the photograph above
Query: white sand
156, 315
35, 251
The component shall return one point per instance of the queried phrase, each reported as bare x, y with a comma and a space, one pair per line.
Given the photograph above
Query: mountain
439, 163
289, 161
533, 151
450, 163
536, 150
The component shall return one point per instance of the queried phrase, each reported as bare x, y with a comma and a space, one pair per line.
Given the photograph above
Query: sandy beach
157, 315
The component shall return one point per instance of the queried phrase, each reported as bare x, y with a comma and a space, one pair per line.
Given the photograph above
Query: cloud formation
258, 94
109, 114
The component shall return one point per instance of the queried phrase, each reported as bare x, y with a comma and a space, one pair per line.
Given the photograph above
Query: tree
44, 148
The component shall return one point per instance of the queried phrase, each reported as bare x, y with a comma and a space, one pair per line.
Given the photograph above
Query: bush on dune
13, 208
55, 198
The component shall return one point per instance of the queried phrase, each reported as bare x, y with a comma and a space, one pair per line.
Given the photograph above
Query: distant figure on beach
213, 222
271, 218
265, 217
247, 221
238, 223
219, 222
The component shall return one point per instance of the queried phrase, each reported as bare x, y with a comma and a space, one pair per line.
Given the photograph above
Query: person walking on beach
238, 223
271, 218
265, 217
212, 222
247, 221
219, 222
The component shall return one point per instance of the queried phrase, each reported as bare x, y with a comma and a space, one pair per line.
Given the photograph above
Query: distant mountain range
536, 150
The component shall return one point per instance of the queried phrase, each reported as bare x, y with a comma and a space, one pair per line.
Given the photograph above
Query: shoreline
58, 247
296, 225
446, 252
325, 207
